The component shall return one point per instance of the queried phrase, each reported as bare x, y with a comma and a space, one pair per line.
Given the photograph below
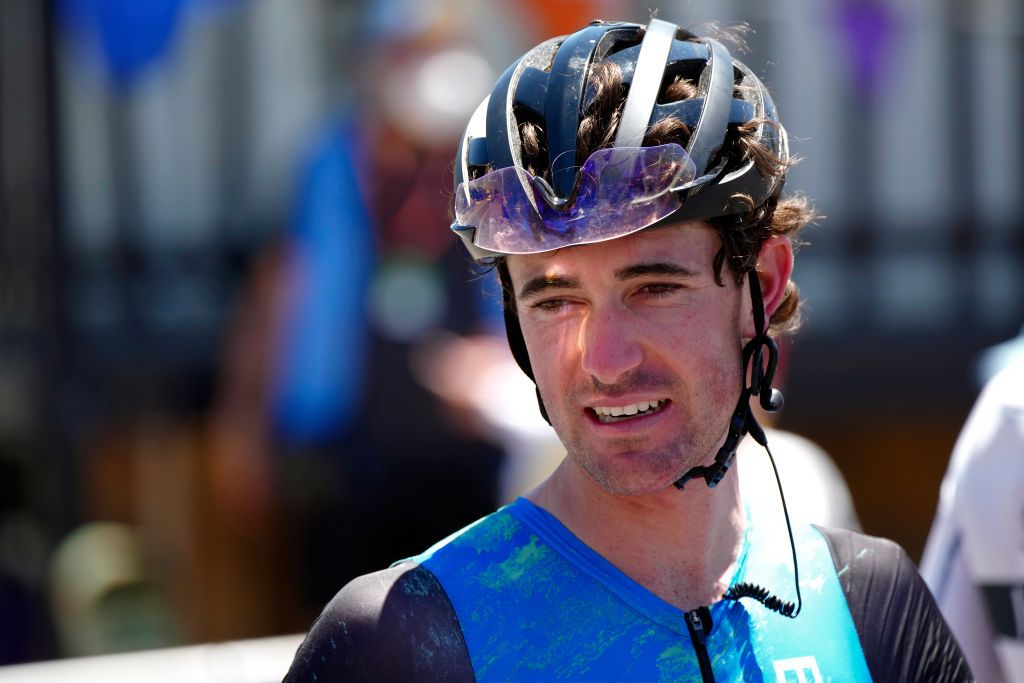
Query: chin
636, 466
627, 490
633, 474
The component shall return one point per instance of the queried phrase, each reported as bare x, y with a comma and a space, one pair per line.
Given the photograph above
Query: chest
543, 611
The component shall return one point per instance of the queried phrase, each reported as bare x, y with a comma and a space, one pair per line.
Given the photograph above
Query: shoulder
902, 633
395, 624
858, 557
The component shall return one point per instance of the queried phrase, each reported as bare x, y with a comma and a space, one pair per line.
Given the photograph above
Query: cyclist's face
636, 351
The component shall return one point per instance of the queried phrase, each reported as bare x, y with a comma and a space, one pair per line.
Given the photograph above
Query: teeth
631, 409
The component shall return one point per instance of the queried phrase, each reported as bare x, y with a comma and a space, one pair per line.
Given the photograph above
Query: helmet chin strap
743, 421
518, 347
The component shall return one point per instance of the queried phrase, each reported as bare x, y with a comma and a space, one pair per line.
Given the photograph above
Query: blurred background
241, 360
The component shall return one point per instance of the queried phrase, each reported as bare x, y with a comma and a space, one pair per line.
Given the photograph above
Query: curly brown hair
741, 235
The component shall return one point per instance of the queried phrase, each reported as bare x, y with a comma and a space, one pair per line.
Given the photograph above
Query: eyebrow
656, 268
541, 283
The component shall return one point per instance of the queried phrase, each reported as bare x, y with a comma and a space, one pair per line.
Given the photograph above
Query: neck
680, 545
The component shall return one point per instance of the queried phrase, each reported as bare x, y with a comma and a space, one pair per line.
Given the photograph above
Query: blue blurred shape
130, 34
323, 339
867, 28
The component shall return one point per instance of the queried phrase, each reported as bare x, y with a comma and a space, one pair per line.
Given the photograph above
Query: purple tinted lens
621, 190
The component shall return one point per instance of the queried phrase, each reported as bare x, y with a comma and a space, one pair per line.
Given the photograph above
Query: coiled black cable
762, 595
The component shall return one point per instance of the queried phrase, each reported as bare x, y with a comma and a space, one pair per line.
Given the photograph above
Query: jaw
632, 456
644, 453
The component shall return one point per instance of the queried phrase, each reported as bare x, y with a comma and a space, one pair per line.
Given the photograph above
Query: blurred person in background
635, 558
245, 406
319, 394
974, 558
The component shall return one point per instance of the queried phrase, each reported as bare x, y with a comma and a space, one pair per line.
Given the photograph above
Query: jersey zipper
698, 635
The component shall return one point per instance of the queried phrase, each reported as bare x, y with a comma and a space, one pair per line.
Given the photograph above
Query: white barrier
263, 660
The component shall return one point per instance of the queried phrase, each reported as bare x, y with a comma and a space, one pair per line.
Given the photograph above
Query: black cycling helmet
549, 84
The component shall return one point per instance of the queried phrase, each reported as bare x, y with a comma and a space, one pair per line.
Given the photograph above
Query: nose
608, 346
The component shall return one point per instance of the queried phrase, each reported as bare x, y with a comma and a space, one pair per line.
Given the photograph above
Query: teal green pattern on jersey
534, 602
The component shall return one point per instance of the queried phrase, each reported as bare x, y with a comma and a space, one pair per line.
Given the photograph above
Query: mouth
632, 411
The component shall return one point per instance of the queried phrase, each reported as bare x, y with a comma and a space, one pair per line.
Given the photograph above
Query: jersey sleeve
392, 625
902, 632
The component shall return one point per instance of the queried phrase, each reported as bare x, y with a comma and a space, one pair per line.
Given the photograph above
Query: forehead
691, 245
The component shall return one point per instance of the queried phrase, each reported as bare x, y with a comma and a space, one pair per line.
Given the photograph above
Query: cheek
552, 347
699, 329
699, 343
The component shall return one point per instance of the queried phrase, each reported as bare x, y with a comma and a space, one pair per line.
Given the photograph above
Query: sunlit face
636, 351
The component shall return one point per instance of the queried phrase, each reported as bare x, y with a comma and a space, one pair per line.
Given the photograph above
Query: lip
640, 423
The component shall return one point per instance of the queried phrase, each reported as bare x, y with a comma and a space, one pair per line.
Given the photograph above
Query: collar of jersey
588, 560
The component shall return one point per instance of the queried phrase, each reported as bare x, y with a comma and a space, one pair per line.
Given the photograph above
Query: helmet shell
550, 85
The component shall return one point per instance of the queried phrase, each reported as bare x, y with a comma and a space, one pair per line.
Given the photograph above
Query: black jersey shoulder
902, 633
392, 625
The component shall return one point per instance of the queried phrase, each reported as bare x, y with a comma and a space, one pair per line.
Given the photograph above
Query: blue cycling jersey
517, 597
533, 601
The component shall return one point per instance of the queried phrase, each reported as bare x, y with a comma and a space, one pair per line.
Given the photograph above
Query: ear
774, 266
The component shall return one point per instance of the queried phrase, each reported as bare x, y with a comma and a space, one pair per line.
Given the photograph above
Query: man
625, 181
974, 558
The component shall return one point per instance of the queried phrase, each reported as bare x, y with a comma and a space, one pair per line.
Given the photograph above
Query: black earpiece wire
755, 591
771, 399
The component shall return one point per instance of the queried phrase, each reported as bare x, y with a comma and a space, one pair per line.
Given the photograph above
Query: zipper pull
696, 625
698, 622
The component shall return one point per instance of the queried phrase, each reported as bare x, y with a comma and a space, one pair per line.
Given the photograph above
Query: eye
550, 304
660, 289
